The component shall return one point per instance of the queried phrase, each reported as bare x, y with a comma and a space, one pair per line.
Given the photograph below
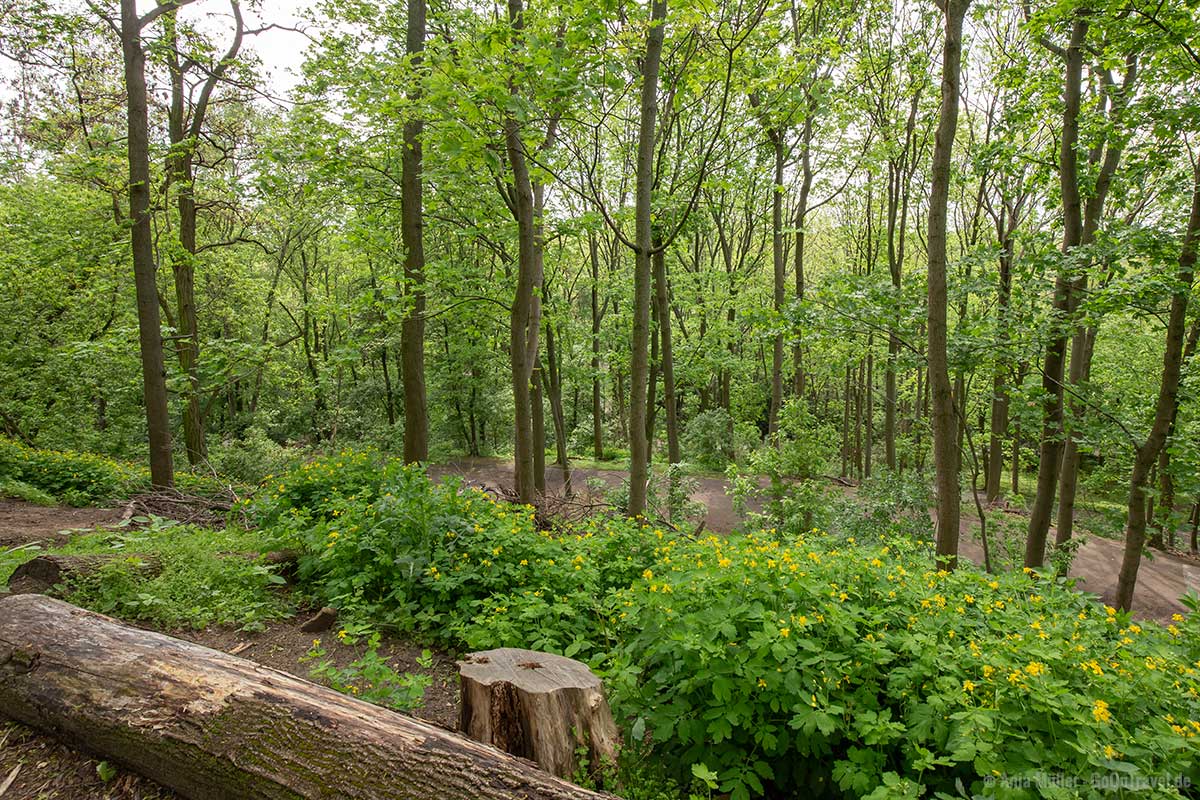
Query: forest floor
42, 768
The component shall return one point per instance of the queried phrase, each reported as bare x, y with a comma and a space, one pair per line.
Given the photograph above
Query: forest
818, 377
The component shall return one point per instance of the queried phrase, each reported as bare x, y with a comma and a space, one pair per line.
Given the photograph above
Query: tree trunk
639, 466
525, 321
154, 384
597, 405
412, 328
1051, 447
1147, 453
553, 386
945, 444
776, 137
213, 726
546, 708
999, 410
667, 355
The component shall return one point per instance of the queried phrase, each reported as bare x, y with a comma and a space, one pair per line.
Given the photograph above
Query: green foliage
886, 505
74, 478
710, 440
10, 487
781, 661
799, 662
207, 578
370, 677
251, 457
387, 545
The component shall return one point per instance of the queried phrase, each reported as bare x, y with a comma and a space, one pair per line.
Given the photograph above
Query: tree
154, 382
412, 331
944, 419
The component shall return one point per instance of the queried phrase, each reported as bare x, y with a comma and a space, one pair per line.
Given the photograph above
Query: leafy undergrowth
81, 479
783, 662
207, 578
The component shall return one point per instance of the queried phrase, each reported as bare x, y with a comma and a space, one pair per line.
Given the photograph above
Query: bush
708, 439
252, 457
75, 478
811, 668
23, 491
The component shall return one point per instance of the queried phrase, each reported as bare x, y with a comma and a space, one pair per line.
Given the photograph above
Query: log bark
539, 706
40, 575
213, 726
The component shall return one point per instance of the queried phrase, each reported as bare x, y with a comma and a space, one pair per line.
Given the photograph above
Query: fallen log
539, 706
40, 575
213, 726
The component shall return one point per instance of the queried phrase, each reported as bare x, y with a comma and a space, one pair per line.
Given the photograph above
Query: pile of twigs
553, 510
208, 512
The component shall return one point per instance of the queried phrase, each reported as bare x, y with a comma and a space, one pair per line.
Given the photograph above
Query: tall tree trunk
776, 137
412, 328
553, 385
154, 384
999, 410
525, 320
1083, 344
1147, 453
667, 355
1051, 446
597, 405
639, 467
538, 422
945, 444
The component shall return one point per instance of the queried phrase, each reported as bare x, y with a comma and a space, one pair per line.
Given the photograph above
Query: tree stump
213, 726
538, 706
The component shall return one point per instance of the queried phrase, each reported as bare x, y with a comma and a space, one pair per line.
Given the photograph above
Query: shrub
23, 491
83, 479
252, 457
74, 478
709, 439
814, 668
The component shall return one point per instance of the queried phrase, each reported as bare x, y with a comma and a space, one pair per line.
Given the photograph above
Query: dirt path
24, 523
493, 473
1162, 578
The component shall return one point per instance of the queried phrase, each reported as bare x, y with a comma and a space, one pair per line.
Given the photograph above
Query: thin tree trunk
945, 445
776, 137
999, 410
1147, 453
154, 384
639, 468
597, 405
1051, 446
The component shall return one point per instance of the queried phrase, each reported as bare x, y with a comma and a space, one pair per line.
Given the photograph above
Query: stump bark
40, 575
539, 706
213, 726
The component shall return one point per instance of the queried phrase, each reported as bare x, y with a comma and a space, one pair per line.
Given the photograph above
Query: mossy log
40, 575
539, 706
213, 726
